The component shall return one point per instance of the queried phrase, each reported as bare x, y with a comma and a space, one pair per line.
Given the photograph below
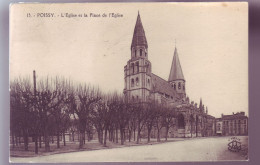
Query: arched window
148, 82
137, 81
135, 53
137, 66
179, 85
174, 86
133, 67
141, 52
132, 82
184, 87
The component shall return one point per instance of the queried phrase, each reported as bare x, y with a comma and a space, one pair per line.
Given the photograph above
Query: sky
211, 39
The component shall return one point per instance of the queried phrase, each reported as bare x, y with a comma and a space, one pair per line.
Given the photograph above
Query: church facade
141, 85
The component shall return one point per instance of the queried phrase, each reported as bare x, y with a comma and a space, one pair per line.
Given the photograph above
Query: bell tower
137, 72
176, 78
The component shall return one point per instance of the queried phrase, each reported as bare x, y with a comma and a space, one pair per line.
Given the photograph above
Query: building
235, 124
142, 86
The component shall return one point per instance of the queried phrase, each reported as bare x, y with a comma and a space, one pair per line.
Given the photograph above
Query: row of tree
52, 107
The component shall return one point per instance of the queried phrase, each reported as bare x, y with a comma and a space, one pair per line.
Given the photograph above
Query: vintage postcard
128, 82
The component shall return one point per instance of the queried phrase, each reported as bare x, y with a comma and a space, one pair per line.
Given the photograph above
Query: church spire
200, 106
139, 38
176, 71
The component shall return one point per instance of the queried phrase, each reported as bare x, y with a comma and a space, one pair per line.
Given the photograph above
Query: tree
20, 106
169, 116
122, 115
151, 117
49, 97
159, 121
80, 102
141, 112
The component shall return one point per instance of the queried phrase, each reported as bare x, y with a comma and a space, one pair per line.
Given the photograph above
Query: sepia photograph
128, 82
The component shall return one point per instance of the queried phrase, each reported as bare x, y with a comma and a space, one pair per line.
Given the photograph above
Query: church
141, 85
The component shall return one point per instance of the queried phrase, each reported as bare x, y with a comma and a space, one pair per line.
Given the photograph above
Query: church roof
139, 38
176, 71
162, 86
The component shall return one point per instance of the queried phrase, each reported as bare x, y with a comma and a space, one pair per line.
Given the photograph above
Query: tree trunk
101, 136
19, 140
138, 133
40, 141
130, 135
134, 134
149, 135
25, 141
122, 136
112, 136
166, 135
81, 139
116, 135
58, 139
109, 135
84, 138
105, 138
16, 141
36, 144
138, 136
46, 138
52, 140
73, 136
158, 135
64, 140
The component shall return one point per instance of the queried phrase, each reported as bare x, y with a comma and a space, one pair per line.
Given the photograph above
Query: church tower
137, 72
176, 78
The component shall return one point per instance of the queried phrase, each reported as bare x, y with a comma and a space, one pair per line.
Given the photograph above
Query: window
141, 52
184, 87
148, 82
219, 127
174, 86
133, 67
135, 53
137, 81
179, 85
137, 66
133, 98
132, 82
136, 97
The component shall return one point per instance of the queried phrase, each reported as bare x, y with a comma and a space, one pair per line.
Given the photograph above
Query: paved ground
200, 149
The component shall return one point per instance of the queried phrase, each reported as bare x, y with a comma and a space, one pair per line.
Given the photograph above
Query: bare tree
81, 101
20, 105
141, 112
169, 115
49, 97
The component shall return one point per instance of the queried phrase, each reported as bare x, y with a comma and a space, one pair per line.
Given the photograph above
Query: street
196, 149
